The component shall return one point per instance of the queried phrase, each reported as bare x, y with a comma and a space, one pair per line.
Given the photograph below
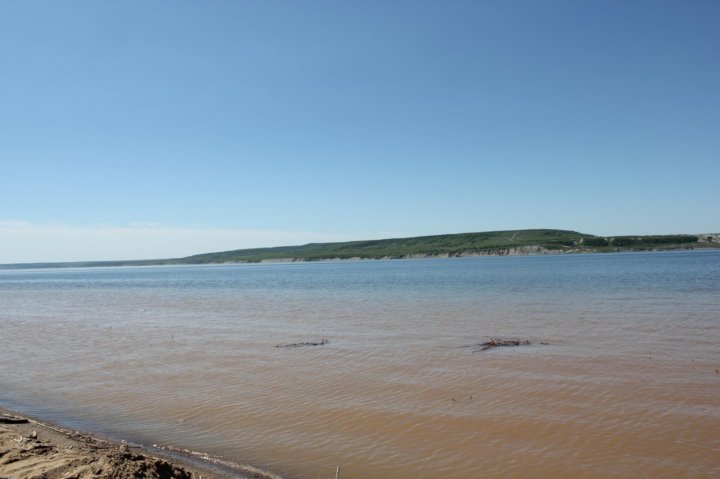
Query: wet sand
30, 448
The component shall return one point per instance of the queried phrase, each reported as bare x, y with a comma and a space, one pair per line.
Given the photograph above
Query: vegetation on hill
463, 244
452, 245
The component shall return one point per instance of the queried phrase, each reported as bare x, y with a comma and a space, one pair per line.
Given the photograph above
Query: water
186, 356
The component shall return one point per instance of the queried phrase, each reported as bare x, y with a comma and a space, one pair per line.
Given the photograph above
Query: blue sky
142, 129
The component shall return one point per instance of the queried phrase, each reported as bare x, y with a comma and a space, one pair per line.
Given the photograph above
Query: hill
498, 243
490, 242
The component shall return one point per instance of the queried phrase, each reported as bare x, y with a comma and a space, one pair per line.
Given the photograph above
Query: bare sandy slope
31, 449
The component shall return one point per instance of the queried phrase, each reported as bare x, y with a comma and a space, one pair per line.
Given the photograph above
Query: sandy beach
30, 448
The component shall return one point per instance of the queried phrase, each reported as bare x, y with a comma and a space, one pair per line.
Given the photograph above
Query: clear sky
145, 129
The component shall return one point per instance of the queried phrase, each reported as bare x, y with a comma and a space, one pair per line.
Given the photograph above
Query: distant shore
488, 243
32, 448
522, 251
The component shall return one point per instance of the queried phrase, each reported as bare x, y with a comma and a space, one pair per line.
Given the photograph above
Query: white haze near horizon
27, 242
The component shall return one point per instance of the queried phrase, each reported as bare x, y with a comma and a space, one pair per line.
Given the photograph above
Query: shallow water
187, 356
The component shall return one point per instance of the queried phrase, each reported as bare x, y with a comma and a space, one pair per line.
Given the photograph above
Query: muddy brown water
627, 386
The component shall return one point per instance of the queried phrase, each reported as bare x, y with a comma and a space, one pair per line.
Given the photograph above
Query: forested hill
498, 243
537, 241
490, 242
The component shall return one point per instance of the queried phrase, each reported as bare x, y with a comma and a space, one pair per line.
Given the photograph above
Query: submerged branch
496, 343
299, 345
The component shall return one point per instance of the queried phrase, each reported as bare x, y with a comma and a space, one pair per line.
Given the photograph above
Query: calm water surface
627, 386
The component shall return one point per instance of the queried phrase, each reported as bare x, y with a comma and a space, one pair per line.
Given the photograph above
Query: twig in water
497, 342
298, 345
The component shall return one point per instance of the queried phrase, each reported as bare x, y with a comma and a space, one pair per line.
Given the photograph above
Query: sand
33, 449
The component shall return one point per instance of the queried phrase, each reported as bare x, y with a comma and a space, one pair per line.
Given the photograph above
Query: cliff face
710, 237
516, 251
704, 241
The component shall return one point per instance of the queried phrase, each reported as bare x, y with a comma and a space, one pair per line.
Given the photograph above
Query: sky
156, 129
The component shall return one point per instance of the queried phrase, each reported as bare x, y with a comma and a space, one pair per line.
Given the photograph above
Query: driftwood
300, 345
13, 420
496, 343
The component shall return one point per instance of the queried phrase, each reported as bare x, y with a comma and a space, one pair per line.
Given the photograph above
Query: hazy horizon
163, 256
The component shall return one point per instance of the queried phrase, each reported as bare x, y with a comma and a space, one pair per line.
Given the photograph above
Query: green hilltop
496, 243
490, 242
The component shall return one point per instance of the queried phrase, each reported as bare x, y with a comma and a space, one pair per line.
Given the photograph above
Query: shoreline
495, 253
31, 447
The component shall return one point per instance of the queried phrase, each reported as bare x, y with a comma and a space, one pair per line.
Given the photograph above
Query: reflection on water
186, 356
